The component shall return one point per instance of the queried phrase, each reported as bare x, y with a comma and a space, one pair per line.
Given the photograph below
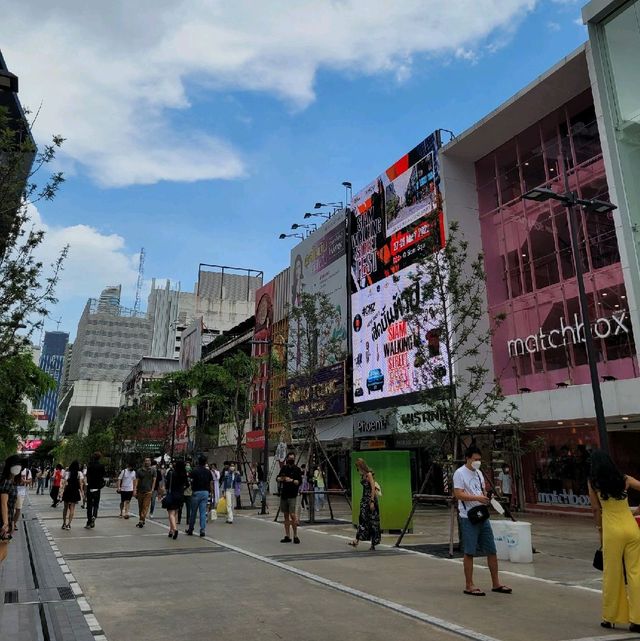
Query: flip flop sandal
502, 589
475, 592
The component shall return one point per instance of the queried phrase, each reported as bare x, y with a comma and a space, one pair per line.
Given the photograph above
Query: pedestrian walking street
121, 583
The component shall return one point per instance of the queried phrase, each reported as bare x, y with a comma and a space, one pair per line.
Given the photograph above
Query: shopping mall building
585, 113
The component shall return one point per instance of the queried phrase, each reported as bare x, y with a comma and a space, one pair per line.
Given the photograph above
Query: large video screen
385, 344
391, 220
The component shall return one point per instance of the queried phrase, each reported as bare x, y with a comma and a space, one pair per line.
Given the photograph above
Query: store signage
369, 424
323, 396
564, 498
568, 334
373, 444
255, 439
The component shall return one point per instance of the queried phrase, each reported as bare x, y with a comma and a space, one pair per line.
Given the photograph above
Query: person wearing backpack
369, 517
477, 535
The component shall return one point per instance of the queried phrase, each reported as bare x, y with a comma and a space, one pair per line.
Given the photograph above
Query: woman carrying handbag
620, 542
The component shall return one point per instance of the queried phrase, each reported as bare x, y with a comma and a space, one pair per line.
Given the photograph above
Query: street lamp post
570, 200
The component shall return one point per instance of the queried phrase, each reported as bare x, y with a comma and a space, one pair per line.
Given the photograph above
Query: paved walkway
240, 581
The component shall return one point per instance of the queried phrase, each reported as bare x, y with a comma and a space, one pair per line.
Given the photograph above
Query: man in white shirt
124, 488
25, 482
477, 538
505, 482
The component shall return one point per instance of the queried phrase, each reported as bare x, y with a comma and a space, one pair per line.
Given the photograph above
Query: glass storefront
529, 257
556, 466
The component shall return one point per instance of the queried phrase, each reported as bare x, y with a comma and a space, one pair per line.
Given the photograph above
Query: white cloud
95, 260
111, 74
553, 26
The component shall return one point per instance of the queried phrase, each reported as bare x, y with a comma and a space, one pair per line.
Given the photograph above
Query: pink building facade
537, 351
529, 261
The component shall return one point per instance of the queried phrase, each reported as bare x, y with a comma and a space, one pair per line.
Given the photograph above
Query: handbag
167, 499
598, 562
478, 513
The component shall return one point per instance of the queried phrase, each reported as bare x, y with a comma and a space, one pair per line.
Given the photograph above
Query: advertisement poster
325, 397
391, 220
393, 473
318, 264
385, 343
389, 226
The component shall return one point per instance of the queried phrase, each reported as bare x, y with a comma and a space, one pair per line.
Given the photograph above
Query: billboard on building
324, 397
391, 220
318, 265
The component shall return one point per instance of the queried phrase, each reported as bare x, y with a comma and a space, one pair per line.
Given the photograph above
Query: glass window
622, 34
543, 251
565, 252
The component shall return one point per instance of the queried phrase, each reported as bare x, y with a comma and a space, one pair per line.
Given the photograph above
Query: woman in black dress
369, 519
175, 484
72, 493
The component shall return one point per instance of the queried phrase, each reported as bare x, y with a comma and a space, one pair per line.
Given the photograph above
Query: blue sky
283, 127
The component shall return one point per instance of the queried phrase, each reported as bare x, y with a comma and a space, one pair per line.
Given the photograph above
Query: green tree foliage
224, 391
445, 308
20, 379
26, 291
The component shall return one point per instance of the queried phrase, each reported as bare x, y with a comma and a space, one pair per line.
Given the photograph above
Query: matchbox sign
602, 328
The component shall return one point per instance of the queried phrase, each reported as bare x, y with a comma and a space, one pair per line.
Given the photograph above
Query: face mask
15, 470
506, 470
291, 462
476, 465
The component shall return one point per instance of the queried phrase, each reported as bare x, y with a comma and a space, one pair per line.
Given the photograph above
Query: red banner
255, 439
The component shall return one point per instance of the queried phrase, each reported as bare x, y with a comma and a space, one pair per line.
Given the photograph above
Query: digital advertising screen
391, 220
385, 343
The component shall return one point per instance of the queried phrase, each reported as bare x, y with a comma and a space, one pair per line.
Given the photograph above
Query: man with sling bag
475, 527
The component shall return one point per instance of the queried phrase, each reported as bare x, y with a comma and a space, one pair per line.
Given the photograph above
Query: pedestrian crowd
200, 492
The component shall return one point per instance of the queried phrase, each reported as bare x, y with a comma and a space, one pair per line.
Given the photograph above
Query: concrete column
85, 422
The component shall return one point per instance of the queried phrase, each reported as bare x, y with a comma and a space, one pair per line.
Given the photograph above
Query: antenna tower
136, 306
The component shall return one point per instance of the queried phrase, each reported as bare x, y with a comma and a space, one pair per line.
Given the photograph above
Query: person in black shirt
95, 482
290, 478
202, 487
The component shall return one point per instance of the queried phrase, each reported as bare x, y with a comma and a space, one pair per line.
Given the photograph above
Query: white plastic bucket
500, 537
518, 538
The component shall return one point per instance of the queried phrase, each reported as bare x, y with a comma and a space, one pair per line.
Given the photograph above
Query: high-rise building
109, 301
109, 341
52, 362
224, 301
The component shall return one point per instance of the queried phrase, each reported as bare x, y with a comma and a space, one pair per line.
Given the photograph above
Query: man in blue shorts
477, 538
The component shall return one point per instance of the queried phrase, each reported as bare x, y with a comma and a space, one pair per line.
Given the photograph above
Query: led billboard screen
385, 343
391, 220
318, 264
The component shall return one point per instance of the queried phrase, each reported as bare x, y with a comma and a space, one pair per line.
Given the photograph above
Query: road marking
456, 561
609, 637
104, 536
437, 622
83, 604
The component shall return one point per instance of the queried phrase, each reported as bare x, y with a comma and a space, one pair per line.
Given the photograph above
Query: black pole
570, 204
173, 431
265, 470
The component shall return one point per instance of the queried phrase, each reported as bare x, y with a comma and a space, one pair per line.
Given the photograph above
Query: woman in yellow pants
620, 538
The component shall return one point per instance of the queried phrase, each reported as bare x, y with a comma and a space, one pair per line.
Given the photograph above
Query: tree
441, 317
20, 379
225, 392
26, 292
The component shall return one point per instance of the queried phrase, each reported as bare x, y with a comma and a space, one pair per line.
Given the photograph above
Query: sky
202, 129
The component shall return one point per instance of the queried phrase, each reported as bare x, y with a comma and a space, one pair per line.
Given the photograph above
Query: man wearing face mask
477, 537
290, 477
229, 479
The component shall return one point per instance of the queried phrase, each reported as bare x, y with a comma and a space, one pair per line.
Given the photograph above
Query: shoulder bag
478, 513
